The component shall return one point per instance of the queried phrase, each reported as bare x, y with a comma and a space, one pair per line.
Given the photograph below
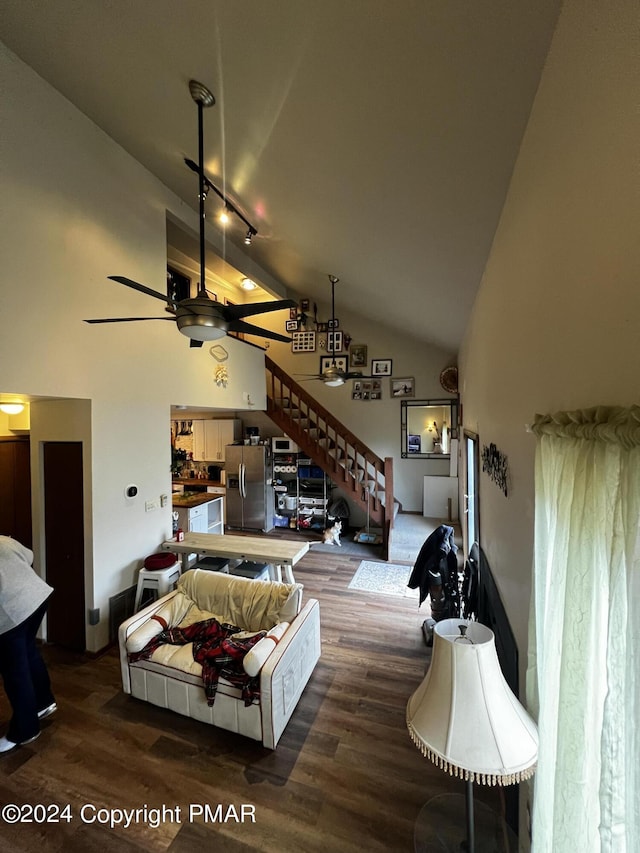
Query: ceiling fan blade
249, 329
235, 312
142, 288
129, 319
194, 343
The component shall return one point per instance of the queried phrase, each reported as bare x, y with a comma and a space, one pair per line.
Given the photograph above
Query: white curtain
583, 679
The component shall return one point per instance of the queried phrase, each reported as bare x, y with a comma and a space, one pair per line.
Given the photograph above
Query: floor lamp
465, 718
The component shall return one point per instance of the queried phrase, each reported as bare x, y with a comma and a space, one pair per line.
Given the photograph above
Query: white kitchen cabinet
194, 519
211, 437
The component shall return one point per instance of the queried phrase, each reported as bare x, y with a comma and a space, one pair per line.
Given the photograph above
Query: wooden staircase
352, 466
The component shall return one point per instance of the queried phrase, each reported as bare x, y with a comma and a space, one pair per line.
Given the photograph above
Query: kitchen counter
194, 481
190, 500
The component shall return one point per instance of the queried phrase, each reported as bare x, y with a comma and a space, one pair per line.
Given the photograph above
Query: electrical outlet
149, 506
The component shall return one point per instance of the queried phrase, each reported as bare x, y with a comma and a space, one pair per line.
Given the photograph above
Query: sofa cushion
177, 657
256, 657
250, 604
172, 613
277, 631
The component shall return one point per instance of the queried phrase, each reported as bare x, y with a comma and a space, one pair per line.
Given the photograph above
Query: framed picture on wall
334, 341
327, 360
303, 342
357, 355
291, 325
381, 367
404, 387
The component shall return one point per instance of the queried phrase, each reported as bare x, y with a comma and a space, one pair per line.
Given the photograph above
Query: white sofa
283, 660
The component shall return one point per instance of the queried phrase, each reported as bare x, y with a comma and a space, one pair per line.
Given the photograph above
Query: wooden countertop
193, 481
189, 501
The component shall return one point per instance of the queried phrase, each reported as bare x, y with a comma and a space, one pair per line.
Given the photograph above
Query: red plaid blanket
215, 649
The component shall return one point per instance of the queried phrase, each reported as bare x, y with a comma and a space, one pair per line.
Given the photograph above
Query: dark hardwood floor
345, 776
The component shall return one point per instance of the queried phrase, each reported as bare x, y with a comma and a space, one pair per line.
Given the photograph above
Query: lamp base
441, 828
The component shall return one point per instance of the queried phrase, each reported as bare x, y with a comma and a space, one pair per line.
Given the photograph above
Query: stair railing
352, 465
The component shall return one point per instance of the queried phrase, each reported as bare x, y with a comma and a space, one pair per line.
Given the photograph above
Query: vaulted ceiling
370, 139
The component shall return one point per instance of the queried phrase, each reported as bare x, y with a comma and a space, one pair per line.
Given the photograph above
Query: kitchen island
199, 512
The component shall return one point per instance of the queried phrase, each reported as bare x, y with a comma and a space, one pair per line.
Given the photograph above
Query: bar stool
157, 581
212, 564
248, 569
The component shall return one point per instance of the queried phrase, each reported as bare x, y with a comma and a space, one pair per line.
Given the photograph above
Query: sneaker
48, 711
7, 745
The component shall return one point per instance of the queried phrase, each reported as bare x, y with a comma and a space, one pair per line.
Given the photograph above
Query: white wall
77, 208
556, 325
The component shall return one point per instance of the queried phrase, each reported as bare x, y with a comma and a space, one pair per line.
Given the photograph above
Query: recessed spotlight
248, 284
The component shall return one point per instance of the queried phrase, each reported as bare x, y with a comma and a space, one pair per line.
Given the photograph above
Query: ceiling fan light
203, 333
334, 381
11, 408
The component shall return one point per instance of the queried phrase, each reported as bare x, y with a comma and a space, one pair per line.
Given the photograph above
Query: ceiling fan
202, 318
333, 377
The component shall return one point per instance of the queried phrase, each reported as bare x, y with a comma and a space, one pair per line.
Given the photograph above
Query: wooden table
280, 554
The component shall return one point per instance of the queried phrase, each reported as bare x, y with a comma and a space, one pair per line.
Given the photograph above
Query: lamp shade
464, 716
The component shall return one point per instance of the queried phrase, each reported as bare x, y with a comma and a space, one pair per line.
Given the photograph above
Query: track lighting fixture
229, 207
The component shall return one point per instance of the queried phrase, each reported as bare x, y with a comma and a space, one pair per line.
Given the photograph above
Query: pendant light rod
201, 196
334, 281
204, 98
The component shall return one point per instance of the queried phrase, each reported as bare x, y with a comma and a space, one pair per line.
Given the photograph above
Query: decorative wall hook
221, 376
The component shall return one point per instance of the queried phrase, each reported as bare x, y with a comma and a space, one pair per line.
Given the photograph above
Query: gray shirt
22, 591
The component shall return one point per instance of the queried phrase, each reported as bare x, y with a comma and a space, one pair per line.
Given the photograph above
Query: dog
331, 536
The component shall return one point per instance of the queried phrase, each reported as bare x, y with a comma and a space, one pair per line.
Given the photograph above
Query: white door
471, 497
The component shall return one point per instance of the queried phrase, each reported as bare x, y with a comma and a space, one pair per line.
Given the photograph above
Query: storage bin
312, 471
280, 521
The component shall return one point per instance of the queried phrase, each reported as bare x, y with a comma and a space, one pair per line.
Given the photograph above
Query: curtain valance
611, 424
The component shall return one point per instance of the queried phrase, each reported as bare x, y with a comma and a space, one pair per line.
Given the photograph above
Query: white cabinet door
210, 438
229, 432
199, 441
199, 524
198, 519
212, 441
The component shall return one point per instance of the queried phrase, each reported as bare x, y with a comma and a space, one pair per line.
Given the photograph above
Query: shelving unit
301, 492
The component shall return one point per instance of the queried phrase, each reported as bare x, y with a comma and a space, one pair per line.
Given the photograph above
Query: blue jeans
25, 676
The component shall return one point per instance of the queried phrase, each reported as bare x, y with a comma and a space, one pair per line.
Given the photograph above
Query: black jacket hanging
435, 573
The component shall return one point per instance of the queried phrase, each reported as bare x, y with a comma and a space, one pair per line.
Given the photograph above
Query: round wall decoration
449, 379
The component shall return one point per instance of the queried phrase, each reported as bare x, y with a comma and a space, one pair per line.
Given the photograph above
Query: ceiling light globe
248, 284
11, 408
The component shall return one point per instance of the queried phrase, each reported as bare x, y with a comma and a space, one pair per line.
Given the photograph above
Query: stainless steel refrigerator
249, 489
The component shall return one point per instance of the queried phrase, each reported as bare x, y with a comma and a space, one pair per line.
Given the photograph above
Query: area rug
383, 578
